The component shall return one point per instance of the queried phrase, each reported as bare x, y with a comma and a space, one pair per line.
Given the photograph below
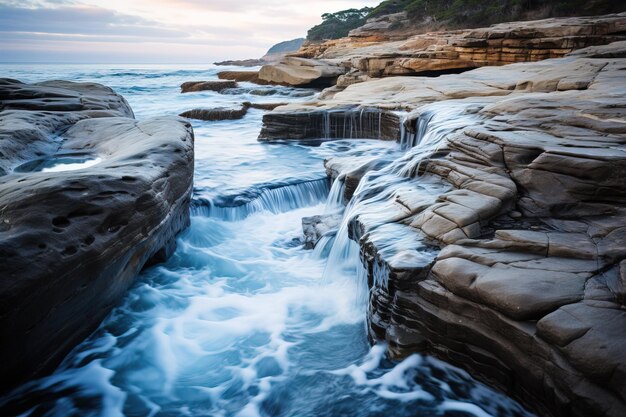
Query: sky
154, 31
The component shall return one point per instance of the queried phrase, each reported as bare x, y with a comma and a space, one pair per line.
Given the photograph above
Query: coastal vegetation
339, 24
458, 13
481, 12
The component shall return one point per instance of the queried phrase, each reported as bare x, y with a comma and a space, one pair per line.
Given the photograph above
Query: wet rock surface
349, 122
315, 227
218, 113
88, 197
242, 76
527, 292
225, 113
194, 86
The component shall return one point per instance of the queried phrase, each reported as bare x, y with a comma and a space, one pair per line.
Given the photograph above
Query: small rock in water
191, 86
218, 113
264, 92
245, 76
315, 227
264, 106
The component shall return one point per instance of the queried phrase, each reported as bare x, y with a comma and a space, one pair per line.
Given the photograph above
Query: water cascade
332, 124
374, 211
242, 321
273, 198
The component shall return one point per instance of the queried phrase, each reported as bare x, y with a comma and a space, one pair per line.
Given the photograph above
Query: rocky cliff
497, 241
88, 197
376, 50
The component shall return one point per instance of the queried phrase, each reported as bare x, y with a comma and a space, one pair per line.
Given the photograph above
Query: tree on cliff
337, 25
466, 13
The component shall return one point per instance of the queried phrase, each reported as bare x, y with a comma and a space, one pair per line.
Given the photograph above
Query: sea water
241, 320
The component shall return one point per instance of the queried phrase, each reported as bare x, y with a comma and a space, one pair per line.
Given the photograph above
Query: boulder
193, 86
218, 113
88, 197
301, 72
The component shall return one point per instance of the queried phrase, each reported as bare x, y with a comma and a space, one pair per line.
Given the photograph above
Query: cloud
158, 30
79, 20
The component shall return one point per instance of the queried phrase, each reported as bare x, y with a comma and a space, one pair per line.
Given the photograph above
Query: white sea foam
242, 321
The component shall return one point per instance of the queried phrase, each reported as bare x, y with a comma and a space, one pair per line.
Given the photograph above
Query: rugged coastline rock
374, 51
527, 290
302, 72
225, 113
193, 86
88, 197
242, 76
218, 113
263, 106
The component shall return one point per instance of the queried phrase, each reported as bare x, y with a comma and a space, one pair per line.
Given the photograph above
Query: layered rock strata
528, 290
377, 51
88, 197
313, 123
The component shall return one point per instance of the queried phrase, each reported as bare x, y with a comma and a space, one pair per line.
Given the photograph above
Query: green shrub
484, 12
460, 13
337, 25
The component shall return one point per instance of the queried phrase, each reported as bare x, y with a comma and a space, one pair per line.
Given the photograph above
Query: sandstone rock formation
242, 76
72, 240
192, 86
372, 51
517, 174
301, 72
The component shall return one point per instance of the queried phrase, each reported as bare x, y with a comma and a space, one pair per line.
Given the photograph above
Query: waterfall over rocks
386, 198
274, 198
349, 123
242, 319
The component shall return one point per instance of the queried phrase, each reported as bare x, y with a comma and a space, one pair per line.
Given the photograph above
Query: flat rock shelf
74, 236
515, 270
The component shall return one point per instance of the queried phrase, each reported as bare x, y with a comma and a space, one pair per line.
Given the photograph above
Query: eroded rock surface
376, 51
72, 240
301, 72
194, 86
528, 290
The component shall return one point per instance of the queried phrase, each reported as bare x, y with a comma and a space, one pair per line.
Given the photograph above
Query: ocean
241, 320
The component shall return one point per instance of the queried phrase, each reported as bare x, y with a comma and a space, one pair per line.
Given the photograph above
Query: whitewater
242, 320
